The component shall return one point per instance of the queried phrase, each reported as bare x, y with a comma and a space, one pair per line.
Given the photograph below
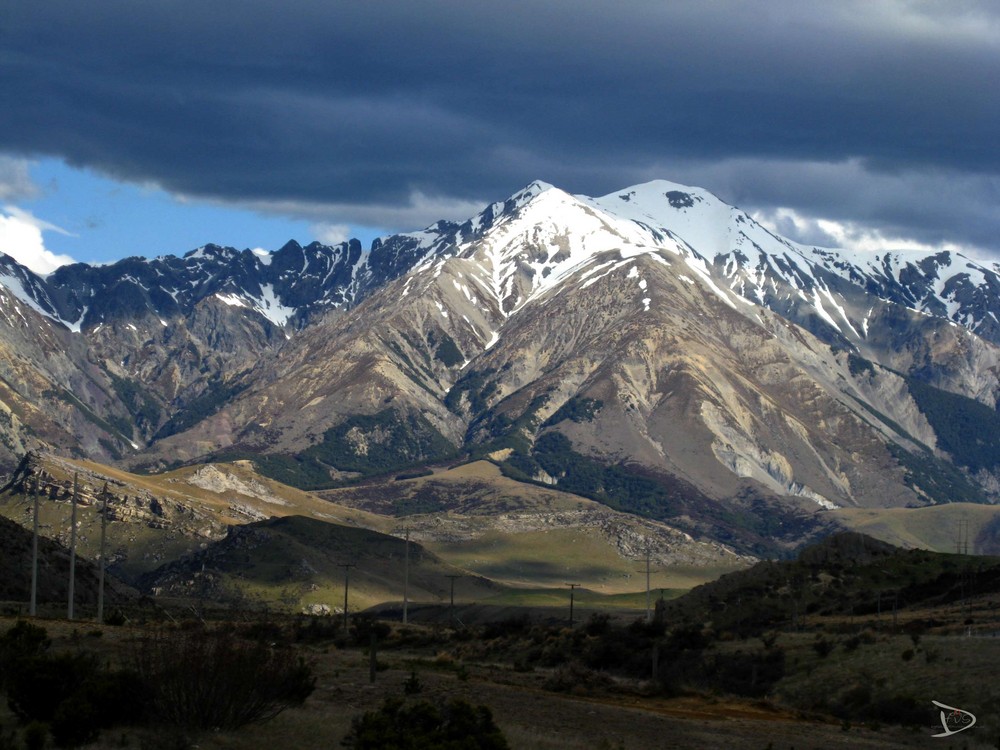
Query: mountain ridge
700, 357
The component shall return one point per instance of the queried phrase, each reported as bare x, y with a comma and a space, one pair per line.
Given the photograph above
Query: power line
347, 584
451, 606
572, 589
100, 574
72, 549
33, 607
962, 538
406, 578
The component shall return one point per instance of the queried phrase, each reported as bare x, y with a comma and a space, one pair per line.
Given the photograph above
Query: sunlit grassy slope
941, 528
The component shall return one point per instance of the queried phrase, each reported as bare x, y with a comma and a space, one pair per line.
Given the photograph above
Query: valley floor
532, 718
536, 719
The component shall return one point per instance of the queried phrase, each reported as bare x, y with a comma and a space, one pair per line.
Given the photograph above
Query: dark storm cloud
365, 104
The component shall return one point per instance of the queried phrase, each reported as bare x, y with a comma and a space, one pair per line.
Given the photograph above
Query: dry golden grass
934, 527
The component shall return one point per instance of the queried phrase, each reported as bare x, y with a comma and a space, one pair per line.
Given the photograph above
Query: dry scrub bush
213, 680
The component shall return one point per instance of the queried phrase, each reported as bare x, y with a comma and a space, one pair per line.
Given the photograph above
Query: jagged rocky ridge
654, 348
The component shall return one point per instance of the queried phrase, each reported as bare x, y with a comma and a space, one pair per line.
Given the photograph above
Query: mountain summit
654, 348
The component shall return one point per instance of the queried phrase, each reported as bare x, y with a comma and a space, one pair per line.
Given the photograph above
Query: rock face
654, 348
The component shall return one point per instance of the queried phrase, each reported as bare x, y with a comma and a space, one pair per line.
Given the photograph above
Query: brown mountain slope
562, 303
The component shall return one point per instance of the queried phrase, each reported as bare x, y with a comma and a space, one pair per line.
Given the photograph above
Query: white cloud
420, 211
21, 238
854, 236
331, 234
15, 179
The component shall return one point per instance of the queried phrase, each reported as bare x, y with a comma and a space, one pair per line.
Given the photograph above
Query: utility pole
572, 589
451, 606
649, 614
72, 548
406, 578
100, 574
33, 608
347, 584
962, 541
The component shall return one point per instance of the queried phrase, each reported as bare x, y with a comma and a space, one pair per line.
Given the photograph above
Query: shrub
515, 625
74, 695
425, 727
75, 721
899, 709
39, 684
35, 736
412, 684
7, 740
857, 696
208, 680
823, 647
577, 679
313, 629
22, 642
364, 626
598, 624
749, 673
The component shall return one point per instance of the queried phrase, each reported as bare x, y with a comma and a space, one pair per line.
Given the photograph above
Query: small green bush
823, 647
36, 734
74, 695
423, 726
7, 740
39, 684
412, 684
22, 642
75, 721
364, 626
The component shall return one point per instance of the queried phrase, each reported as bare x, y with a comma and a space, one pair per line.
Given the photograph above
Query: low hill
526, 534
53, 574
299, 563
157, 518
471, 516
969, 527
847, 576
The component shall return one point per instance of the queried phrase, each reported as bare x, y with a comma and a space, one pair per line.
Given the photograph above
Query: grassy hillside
294, 562
844, 577
153, 519
940, 528
530, 535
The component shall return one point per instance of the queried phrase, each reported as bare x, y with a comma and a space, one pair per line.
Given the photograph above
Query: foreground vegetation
306, 682
848, 646
187, 681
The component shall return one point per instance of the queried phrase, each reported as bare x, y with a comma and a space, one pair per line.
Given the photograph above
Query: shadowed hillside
297, 562
53, 572
847, 575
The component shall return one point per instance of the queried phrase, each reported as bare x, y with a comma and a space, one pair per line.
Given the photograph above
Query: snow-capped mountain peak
655, 326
